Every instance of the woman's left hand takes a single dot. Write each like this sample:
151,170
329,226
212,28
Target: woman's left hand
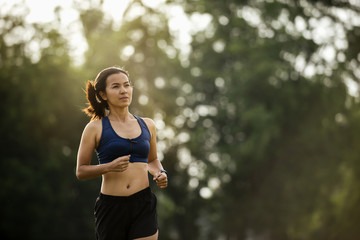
161,179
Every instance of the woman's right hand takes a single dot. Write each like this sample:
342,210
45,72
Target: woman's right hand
119,164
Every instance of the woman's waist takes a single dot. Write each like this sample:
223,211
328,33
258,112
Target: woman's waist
141,194
125,183
123,189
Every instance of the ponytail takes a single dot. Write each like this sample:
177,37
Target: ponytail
97,106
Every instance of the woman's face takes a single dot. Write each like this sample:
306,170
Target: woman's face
118,91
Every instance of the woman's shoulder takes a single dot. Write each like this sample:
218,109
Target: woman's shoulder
149,122
94,125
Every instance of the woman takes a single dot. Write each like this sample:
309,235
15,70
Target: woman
125,145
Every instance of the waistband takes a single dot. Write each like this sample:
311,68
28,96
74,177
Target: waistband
135,196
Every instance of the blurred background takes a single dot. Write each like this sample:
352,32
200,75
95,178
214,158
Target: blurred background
256,103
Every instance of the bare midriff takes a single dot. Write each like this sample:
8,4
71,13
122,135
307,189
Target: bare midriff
132,180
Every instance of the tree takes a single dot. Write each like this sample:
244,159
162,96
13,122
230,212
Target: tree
40,110
270,109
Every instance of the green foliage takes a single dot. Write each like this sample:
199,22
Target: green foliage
40,106
285,133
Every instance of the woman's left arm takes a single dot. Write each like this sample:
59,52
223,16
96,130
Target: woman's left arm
154,165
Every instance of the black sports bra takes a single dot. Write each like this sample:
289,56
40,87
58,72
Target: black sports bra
112,146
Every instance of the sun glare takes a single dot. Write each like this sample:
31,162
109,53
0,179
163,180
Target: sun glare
182,27
47,11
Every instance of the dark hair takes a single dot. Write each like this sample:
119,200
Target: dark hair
97,106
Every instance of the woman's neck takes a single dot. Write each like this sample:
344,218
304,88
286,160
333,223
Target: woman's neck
120,114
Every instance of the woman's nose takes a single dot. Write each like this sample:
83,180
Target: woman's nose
123,90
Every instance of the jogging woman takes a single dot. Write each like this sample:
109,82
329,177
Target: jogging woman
125,145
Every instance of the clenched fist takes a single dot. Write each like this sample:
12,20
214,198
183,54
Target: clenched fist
161,179
119,164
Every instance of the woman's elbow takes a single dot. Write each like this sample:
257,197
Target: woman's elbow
79,174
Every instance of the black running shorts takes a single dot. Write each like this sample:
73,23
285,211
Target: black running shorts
126,217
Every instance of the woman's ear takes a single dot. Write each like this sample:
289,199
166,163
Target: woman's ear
103,95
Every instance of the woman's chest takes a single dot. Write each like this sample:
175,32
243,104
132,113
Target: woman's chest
128,131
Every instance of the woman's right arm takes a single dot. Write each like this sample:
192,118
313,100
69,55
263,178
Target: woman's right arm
88,142
86,150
